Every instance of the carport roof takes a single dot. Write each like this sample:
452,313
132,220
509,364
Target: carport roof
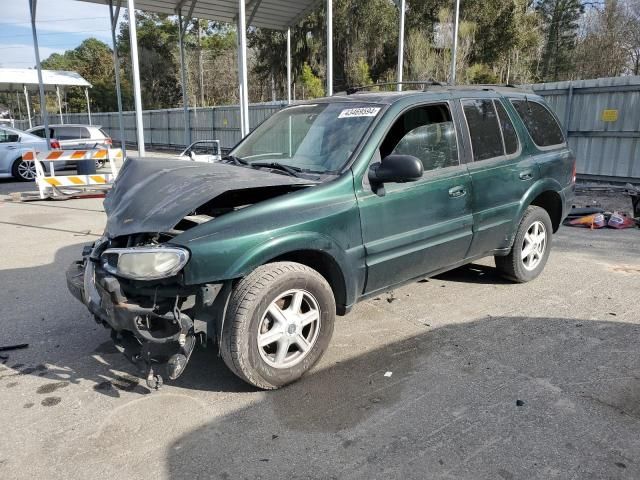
14,78
272,14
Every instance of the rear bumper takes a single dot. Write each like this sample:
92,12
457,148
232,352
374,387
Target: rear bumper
568,195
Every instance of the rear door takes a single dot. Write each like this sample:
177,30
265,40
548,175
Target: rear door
418,227
500,173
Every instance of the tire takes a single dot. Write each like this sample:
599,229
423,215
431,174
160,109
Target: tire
23,171
534,236
273,288
99,163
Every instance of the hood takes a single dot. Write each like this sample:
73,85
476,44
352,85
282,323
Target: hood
153,195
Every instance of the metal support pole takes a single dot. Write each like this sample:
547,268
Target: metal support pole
116,66
18,102
288,65
242,54
240,96
182,26
33,5
401,46
133,37
455,44
86,95
26,99
329,48
59,103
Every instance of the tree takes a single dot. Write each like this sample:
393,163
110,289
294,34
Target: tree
560,28
158,52
311,83
93,60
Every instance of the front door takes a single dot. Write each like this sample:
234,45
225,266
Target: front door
415,228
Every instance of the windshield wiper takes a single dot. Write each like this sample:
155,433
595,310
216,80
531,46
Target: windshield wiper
235,160
293,171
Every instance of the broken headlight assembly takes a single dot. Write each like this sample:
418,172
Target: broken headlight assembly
145,263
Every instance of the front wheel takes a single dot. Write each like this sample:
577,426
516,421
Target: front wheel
279,323
531,247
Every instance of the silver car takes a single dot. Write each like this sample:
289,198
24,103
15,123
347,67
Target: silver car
76,137
13,143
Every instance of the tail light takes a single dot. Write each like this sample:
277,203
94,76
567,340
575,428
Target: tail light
573,173
108,141
55,144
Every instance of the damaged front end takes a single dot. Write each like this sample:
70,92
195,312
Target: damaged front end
133,286
133,281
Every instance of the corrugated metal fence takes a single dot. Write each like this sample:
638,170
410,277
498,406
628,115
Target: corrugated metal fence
601,118
165,128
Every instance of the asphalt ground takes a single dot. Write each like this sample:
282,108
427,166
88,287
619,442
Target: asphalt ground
487,379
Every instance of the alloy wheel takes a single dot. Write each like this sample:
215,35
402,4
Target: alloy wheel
533,245
289,329
27,170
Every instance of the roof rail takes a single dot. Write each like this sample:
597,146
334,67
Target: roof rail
426,83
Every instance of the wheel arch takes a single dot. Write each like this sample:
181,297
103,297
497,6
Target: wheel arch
314,250
546,195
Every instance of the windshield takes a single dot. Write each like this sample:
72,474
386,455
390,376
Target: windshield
316,138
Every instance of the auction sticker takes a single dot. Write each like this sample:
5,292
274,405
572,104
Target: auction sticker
359,112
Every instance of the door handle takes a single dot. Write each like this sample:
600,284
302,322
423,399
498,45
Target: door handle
12,147
526,175
457,192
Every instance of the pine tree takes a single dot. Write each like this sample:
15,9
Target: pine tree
560,27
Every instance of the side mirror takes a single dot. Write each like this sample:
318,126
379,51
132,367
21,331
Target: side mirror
396,169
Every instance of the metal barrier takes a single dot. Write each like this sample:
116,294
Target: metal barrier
52,185
165,128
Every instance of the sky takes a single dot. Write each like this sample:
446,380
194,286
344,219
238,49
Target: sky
61,24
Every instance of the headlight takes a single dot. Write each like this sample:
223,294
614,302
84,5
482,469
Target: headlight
145,263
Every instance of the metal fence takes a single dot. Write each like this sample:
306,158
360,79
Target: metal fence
601,118
165,128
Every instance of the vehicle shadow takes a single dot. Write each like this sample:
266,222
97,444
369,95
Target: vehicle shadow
502,398
474,273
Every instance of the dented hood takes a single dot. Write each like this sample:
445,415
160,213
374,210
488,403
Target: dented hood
153,195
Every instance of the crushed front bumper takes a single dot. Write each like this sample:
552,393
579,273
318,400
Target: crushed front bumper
159,342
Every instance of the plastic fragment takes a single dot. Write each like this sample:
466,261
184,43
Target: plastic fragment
388,374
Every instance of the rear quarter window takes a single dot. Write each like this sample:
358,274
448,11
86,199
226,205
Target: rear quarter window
540,123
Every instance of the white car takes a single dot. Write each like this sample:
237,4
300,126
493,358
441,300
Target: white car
13,143
202,151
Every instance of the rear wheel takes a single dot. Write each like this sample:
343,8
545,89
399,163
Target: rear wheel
531,247
279,323
23,170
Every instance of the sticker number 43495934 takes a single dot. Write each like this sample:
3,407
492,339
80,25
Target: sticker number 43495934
359,112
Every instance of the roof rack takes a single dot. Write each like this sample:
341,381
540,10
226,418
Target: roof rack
425,83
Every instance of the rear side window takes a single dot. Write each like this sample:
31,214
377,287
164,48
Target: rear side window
67,133
38,133
484,129
508,131
541,124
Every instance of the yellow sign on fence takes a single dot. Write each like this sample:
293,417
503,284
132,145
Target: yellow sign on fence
609,115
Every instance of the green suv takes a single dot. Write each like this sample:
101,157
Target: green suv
324,204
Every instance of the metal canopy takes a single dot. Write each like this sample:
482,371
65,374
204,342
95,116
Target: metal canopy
273,14
13,79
